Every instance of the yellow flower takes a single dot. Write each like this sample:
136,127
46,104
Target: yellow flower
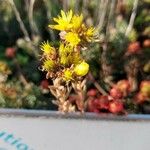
64,54
81,69
64,60
64,21
65,49
72,38
89,34
77,21
48,65
67,55
47,48
61,49
67,76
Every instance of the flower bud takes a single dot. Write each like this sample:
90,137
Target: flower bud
48,65
81,69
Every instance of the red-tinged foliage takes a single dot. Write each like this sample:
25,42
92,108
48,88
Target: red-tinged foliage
145,88
93,106
44,84
116,107
123,85
133,48
10,52
116,93
144,83
146,43
140,98
98,105
104,102
92,92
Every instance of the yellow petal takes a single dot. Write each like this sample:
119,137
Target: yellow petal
70,15
72,38
63,15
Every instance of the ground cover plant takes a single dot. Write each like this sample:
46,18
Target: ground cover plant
86,56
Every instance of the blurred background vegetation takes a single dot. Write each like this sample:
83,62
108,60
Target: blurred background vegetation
24,25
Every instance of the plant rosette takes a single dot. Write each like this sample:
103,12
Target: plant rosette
145,88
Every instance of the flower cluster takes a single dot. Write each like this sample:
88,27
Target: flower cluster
74,30
65,64
66,61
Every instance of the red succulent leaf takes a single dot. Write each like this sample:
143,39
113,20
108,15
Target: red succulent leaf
116,93
44,84
92,92
10,52
116,106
